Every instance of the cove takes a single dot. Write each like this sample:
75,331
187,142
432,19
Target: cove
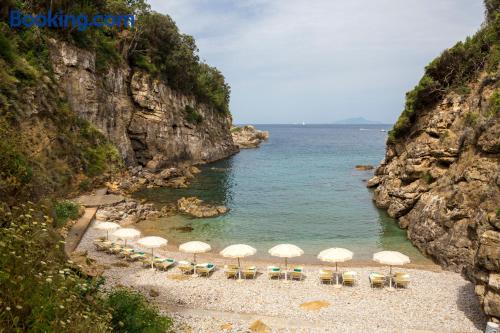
300,187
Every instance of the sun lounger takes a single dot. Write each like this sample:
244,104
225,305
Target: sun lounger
401,279
205,269
376,279
326,275
297,273
273,271
136,255
103,246
231,271
249,272
126,252
99,240
146,260
186,267
349,278
115,249
164,264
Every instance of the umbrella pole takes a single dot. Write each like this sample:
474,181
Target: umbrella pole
239,269
286,269
125,243
152,258
390,277
194,258
107,235
337,273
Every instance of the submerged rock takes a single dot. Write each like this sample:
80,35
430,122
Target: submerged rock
198,208
248,136
364,167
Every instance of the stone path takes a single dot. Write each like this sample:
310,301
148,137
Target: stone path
80,227
99,199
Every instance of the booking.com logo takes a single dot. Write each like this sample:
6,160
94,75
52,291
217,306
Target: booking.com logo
60,20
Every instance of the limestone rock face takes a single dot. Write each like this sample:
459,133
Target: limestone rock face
248,136
442,182
142,116
198,208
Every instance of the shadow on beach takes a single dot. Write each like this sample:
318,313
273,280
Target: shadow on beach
468,303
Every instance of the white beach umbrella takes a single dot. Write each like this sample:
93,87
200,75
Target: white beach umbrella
286,251
238,251
108,226
336,255
391,258
126,234
152,242
195,247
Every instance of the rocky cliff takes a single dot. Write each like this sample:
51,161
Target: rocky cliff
441,176
142,116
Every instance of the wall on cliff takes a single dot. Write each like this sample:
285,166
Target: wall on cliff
147,120
441,173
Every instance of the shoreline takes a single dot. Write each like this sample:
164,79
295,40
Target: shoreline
435,301
172,249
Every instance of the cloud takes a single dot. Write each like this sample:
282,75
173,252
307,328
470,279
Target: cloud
318,61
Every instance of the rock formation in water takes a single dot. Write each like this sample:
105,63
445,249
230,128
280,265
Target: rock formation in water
248,136
441,173
198,208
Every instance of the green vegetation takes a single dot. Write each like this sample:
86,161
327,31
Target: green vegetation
47,151
98,160
471,119
106,53
39,290
494,107
65,210
192,115
85,185
154,45
16,172
427,177
453,70
132,314
42,291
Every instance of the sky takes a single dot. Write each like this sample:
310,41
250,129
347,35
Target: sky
319,61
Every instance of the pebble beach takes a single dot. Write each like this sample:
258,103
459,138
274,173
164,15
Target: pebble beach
436,301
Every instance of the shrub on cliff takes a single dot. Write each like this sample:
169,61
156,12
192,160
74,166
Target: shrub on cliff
131,313
16,172
65,210
494,107
453,70
192,115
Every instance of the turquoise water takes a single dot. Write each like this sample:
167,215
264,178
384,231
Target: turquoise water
300,187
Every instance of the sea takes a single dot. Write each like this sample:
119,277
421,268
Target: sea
300,187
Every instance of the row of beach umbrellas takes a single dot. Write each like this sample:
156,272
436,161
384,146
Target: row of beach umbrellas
239,251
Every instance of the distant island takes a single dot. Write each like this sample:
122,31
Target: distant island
357,121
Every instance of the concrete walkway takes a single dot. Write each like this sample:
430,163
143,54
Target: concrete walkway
80,227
